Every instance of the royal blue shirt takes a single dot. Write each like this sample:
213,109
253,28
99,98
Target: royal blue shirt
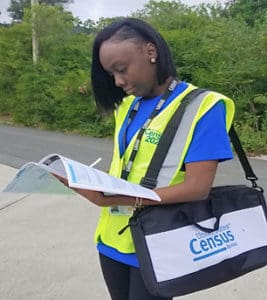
210,142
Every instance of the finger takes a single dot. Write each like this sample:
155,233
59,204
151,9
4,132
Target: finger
61,179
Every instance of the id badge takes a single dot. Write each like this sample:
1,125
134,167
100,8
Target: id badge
121,210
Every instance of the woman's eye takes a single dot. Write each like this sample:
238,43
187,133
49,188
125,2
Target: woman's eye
121,70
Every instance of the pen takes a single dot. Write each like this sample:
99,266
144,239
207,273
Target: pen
96,162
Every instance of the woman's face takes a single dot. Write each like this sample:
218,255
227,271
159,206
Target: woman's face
129,63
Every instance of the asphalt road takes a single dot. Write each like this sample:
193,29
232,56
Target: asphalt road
19,145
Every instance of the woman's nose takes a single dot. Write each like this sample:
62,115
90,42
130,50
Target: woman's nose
119,81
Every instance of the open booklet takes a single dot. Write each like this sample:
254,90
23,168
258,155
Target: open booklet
82,176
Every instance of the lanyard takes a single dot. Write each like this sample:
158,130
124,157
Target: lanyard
126,169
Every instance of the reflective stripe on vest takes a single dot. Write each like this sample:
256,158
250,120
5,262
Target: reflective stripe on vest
173,159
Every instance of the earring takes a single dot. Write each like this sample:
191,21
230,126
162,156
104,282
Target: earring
153,60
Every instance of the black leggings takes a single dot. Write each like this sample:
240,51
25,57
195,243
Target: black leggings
124,282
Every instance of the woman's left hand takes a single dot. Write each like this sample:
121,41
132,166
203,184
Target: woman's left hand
93,196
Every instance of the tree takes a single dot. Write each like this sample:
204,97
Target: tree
250,10
103,22
16,7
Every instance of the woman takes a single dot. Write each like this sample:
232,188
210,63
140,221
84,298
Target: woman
133,73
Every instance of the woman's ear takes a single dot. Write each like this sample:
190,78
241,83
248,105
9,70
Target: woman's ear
152,53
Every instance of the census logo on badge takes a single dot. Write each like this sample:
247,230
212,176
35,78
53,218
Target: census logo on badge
204,245
152,136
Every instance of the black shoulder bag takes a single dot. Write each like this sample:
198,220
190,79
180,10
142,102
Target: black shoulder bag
186,247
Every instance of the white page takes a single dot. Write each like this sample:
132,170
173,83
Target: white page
54,164
31,178
82,176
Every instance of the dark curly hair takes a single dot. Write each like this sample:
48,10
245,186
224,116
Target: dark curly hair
105,92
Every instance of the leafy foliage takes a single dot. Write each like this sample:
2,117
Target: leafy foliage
17,7
251,11
220,47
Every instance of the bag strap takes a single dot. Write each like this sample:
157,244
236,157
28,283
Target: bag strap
249,173
150,178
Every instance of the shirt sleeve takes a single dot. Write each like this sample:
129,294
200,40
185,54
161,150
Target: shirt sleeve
210,140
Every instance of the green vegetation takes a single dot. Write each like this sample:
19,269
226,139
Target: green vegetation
220,47
17,7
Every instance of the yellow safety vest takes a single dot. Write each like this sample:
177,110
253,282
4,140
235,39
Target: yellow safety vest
110,224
